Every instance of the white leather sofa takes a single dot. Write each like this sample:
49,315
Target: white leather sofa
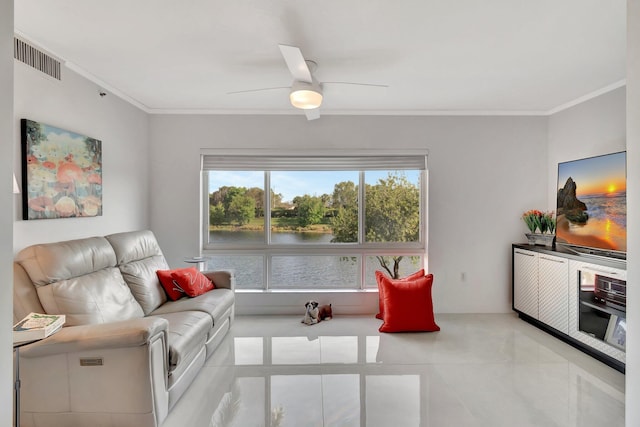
126,353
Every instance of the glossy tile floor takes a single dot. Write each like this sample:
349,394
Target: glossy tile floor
479,370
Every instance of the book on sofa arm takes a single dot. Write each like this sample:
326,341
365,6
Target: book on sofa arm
37,326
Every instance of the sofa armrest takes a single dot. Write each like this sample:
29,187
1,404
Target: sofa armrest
128,333
222,278
84,375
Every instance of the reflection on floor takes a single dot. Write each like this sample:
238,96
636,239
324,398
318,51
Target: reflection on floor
479,370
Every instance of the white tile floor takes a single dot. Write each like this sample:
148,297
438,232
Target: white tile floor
479,370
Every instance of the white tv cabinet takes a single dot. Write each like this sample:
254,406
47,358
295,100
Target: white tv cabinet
546,293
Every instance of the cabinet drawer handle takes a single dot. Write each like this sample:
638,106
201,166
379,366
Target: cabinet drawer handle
522,253
560,261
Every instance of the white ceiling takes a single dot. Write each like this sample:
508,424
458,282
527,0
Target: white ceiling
458,56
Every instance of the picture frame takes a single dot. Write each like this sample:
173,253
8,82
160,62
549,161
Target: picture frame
616,334
61,173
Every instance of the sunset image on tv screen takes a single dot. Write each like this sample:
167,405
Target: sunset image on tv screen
592,202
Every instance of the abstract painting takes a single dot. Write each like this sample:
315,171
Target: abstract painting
61,173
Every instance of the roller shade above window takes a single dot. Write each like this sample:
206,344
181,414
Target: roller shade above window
320,163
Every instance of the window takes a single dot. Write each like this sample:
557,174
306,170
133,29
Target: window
313,222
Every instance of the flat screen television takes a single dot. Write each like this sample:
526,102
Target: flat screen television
592,205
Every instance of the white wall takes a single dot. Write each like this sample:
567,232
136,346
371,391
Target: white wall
633,204
74,104
6,218
593,128
484,172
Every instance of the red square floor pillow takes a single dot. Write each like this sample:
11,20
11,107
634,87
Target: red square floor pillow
408,306
184,281
379,276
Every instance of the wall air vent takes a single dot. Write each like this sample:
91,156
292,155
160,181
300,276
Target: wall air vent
36,58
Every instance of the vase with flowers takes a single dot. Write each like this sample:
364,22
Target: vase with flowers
542,221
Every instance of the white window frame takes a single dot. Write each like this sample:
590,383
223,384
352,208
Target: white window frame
361,250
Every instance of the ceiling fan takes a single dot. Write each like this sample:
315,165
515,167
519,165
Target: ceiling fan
305,91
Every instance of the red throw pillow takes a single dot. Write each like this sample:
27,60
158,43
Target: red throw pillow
173,291
408,305
184,281
192,281
379,275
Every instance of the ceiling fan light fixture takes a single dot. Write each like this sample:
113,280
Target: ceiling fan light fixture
306,96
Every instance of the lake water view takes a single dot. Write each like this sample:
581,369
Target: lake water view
257,236
296,271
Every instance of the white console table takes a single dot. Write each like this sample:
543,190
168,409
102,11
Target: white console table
546,293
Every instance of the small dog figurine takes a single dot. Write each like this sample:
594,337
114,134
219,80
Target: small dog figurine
311,315
325,313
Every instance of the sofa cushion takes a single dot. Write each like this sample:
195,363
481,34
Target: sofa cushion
98,297
138,256
134,245
78,278
51,262
187,333
215,303
143,282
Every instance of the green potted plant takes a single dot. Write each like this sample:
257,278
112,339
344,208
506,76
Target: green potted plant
542,221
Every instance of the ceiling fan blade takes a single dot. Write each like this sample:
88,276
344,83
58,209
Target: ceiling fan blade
296,63
353,83
258,90
312,114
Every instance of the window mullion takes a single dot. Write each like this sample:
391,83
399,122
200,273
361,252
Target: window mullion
267,209
267,230
361,236
204,179
266,266
361,208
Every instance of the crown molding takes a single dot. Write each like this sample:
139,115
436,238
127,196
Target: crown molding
207,111
107,87
584,98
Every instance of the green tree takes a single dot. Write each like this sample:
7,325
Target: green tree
345,222
345,225
216,214
310,209
219,195
241,209
345,194
392,214
392,210
276,199
326,200
229,194
257,194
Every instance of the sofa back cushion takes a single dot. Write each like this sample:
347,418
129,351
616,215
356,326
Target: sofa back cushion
138,256
79,278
